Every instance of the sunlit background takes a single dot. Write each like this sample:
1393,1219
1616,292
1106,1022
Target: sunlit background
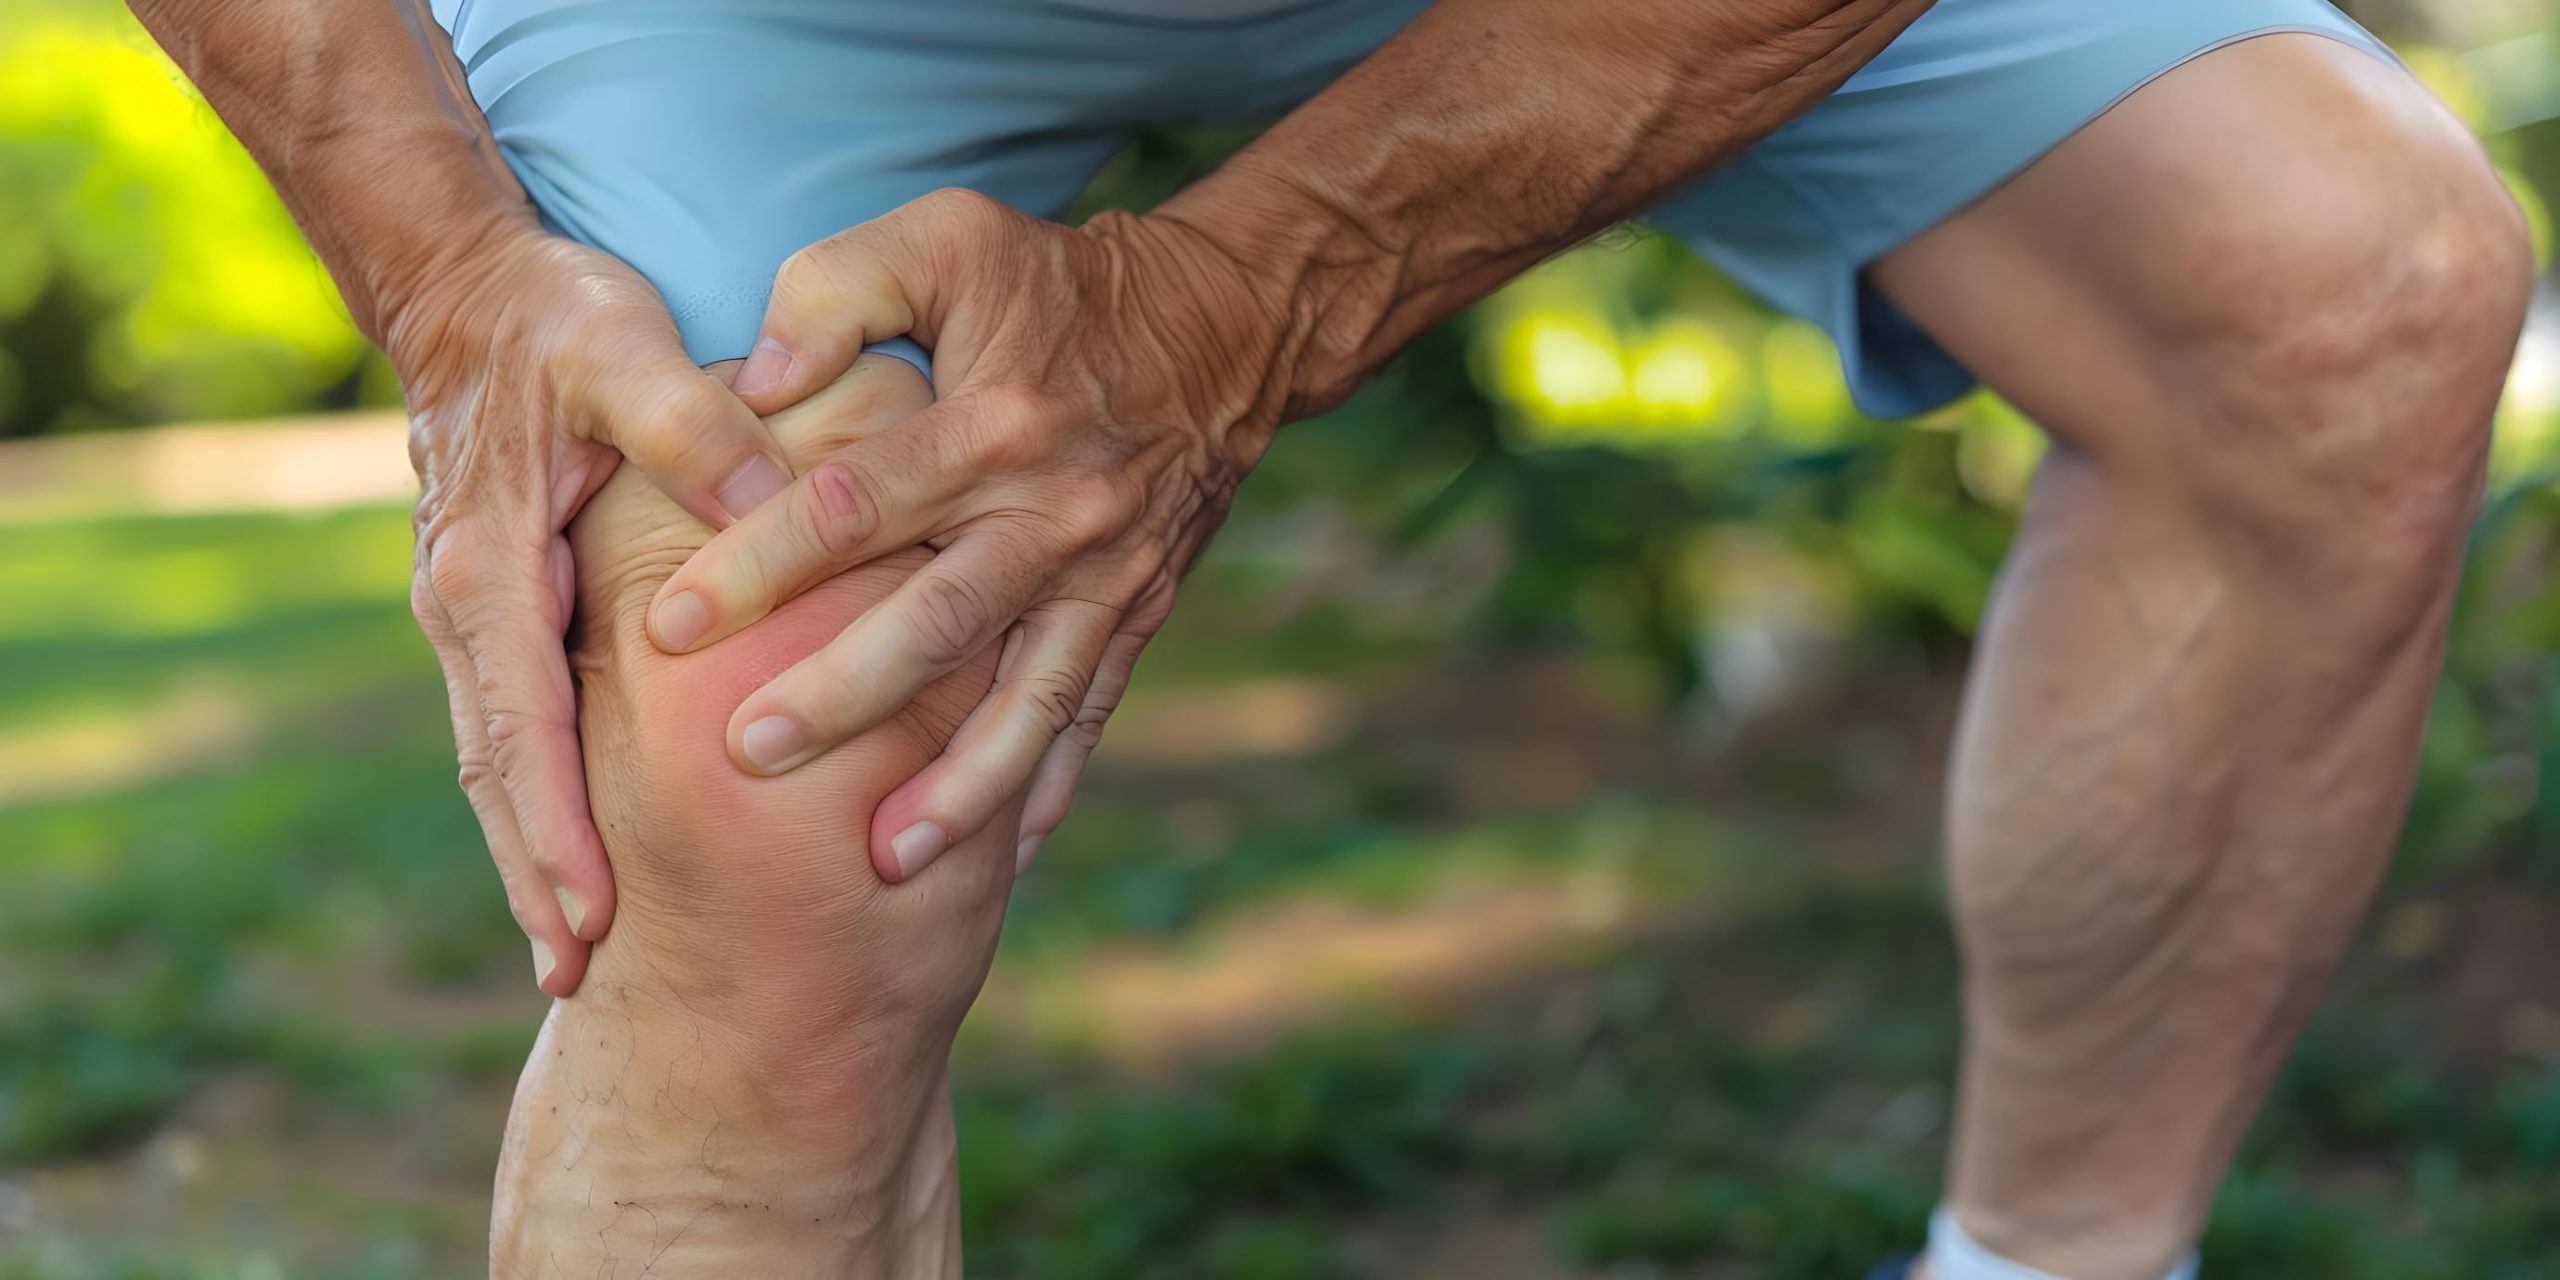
1517,860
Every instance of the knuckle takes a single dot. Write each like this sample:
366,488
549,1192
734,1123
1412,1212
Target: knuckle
949,619
843,510
1153,610
971,210
512,730
453,571
1094,511
1100,700
427,609
1086,729
663,417
475,775
822,279
1054,696
1017,427
805,269
1014,404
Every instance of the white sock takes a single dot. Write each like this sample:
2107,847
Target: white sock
1953,1255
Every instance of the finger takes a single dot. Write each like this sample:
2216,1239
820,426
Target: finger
508,621
1053,784
559,955
873,398
874,496
1039,690
949,612
829,299
695,440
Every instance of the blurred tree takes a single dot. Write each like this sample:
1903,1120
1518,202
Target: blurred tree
146,271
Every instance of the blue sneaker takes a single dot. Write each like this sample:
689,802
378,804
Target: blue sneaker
1897,1269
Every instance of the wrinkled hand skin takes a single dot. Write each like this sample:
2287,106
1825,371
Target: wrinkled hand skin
751,1082
1103,390
537,372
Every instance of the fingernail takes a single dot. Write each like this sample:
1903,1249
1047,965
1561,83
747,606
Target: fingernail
571,907
765,369
771,742
1024,852
751,486
543,964
682,619
916,846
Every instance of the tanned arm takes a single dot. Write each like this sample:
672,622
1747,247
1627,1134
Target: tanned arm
1489,135
532,366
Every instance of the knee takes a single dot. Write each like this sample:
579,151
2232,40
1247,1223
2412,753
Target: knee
712,857
758,894
2349,348
748,902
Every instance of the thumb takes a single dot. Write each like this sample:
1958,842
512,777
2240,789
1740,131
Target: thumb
689,435
856,287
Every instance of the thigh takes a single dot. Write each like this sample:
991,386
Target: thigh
2198,246
1972,94
2271,298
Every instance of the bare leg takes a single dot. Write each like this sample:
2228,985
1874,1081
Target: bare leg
2264,308
751,1080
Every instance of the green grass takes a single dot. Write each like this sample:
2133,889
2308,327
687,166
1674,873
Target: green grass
1764,1093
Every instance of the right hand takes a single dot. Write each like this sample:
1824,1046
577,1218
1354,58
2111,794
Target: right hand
532,368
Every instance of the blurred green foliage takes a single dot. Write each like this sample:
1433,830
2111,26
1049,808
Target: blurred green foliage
229,846
147,272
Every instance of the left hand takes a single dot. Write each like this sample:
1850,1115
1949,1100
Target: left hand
1102,390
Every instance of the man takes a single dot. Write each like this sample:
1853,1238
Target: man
2258,287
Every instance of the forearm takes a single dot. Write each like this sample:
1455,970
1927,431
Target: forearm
357,111
1491,134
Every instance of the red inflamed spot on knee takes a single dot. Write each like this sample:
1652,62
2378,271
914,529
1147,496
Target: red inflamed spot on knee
684,704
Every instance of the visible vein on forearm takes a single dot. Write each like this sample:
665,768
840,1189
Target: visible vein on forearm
358,113
1493,133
